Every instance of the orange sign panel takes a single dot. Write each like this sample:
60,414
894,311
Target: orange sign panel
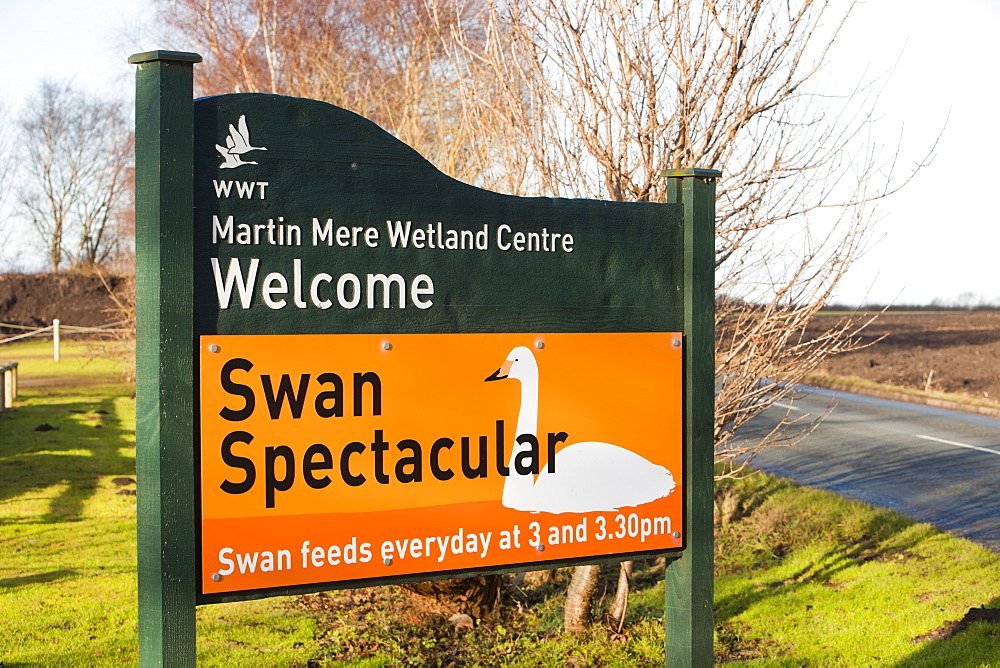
349,456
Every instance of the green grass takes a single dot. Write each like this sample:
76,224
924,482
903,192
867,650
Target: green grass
803,577
808,578
92,367
67,532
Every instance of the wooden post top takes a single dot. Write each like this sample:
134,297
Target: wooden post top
167,56
691,171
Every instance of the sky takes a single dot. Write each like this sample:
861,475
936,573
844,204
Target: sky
934,240
938,237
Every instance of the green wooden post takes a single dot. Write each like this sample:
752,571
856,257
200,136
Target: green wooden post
689,580
164,126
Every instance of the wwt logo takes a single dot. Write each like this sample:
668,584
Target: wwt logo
237,143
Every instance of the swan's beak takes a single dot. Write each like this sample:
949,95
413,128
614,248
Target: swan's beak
502,372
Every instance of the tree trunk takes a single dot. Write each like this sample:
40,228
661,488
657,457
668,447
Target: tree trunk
473,596
620,602
580,598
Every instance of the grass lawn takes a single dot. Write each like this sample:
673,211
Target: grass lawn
802,576
808,578
67,529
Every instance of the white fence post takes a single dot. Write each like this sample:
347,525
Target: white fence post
8,385
55,340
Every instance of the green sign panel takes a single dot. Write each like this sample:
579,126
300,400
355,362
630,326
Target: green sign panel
310,219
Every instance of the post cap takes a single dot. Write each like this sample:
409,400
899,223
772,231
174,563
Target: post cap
691,171
167,56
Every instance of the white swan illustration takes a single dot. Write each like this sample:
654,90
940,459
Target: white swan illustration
231,159
237,143
239,140
589,476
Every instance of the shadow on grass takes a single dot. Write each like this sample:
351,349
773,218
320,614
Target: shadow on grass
977,645
850,538
868,545
38,578
71,443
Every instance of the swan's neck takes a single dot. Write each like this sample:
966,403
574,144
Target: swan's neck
527,416
517,489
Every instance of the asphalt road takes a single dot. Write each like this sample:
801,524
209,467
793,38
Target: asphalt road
931,464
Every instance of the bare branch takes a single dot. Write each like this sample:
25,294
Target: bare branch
77,154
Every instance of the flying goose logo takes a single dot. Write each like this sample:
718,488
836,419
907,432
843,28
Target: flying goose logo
237,143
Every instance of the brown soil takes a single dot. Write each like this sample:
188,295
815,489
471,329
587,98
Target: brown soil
953,627
944,351
36,300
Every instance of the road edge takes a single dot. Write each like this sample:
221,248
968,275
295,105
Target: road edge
891,394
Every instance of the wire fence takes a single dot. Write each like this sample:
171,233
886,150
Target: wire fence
8,370
57,329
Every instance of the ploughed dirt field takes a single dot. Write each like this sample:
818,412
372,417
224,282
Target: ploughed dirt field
944,351
35,300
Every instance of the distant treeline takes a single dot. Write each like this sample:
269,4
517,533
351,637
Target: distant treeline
965,302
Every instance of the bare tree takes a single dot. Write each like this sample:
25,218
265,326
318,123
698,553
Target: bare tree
7,165
76,156
593,99
598,96
6,158
393,62
602,95
122,225
580,598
